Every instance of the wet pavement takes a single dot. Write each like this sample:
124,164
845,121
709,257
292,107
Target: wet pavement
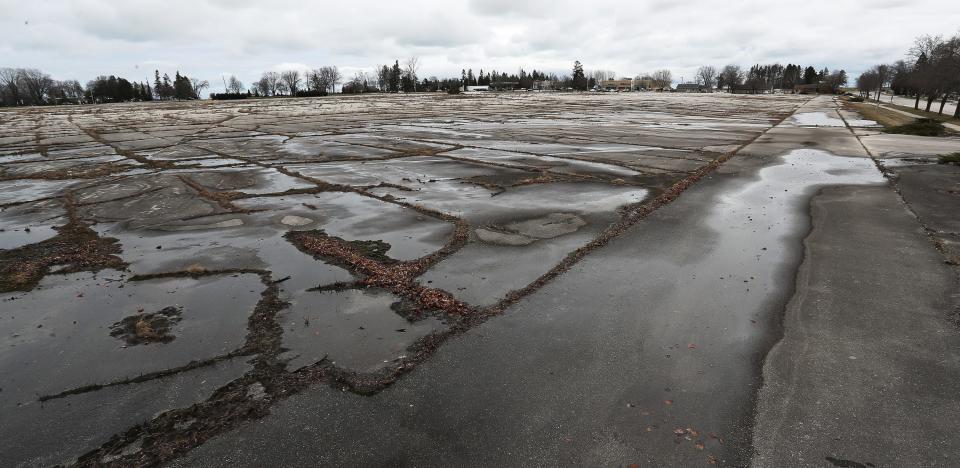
429,280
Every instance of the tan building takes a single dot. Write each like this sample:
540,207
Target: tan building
617,85
645,82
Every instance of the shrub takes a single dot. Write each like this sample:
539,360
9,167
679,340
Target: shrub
952,158
453,90
920,127
307,93
855,98
226,96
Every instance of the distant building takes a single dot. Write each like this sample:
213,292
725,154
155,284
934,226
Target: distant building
625,84
504,85
544,85
690,88
477,88
644,83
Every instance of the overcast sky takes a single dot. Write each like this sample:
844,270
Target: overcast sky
79,39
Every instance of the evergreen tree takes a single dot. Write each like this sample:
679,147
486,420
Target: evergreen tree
822,74
395,76
182,89
579,79
166,90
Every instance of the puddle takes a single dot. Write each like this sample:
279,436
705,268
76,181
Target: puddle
74,167
816,119
549,221
479,206
549,163
58,336
482,273
58,431
410,172
753,226
153,207
323,148
178,152
862,123
30,223
351,216
356,329
17,191
210,162
223,242
253,181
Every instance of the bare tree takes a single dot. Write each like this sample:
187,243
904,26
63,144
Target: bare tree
10,86
198,86
867,82
952,72
329,77
882,72
732,76
70,89
269,82
707,76
410,68
359,82
291,80
315,81
36,83
663,79
234,85
603,75
262,86
925,79
946,62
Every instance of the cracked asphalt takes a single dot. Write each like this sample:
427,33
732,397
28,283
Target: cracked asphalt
507,279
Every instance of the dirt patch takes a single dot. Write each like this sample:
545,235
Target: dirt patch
76,248
144,329
397,277
373,249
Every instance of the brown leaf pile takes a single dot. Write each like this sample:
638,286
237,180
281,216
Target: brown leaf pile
396,277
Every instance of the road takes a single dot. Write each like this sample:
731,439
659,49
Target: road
788,310
948,109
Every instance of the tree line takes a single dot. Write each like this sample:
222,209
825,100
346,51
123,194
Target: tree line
770,77
32,87
930,72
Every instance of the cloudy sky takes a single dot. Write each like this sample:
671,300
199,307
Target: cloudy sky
78,39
